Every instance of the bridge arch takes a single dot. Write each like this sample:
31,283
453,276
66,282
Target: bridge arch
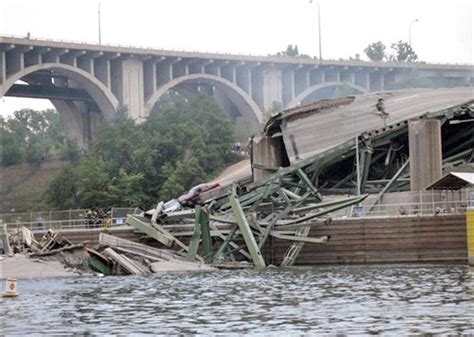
312,89
235,94
102,96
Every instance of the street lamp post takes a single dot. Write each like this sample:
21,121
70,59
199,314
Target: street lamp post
409,31
98,15
319,29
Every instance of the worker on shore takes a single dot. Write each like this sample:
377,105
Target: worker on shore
107,224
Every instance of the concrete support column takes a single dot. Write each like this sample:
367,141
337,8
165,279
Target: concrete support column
164,72
272,88
426,161
85,63
32,59
300,81
14,62
352,78
257,86
133,93
3,67
128,86
315,76
228,72
267,154
244,79
102,70
149,76
288,86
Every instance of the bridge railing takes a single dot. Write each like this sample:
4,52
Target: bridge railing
422,204
269,57
419,203
61,220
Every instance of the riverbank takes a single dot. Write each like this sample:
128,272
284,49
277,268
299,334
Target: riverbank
23,267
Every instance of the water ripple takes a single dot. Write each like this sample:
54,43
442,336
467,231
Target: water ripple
388,299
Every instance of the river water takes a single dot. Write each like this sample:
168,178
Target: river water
387,299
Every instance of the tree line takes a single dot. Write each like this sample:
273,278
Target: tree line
129,164
33,136
400,52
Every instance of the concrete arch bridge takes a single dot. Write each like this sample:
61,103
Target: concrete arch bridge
88,83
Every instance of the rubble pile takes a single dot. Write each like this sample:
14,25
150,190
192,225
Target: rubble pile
221,225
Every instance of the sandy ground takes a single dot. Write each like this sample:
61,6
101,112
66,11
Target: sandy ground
22,267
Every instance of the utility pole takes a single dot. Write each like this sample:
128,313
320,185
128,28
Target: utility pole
100,35
319,29
409,31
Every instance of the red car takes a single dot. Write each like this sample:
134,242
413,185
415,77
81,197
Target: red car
194,192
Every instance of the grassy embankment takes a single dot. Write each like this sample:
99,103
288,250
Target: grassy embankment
23,186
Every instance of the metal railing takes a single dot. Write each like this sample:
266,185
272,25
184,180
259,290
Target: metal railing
61,220
424,203
417,204
355,62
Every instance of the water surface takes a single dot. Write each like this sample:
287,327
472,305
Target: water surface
388,299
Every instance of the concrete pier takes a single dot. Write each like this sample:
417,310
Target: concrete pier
426,160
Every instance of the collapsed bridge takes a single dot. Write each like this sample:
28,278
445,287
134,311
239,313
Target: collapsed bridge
352,145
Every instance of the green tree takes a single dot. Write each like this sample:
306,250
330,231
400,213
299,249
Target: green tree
183,144
62,192
292,51
180,177
115,144
31,135
375,51
403,52
126,189
93,181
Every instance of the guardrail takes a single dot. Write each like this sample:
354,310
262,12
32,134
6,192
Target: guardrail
61,220
426,205
403,209
325,61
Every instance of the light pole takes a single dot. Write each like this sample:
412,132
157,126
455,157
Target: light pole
98,15
319,29
409,31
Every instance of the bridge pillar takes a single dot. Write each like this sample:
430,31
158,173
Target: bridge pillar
3,71
79,123
128,86
426,161
272,88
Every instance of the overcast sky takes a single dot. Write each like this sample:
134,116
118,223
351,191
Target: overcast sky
444,32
